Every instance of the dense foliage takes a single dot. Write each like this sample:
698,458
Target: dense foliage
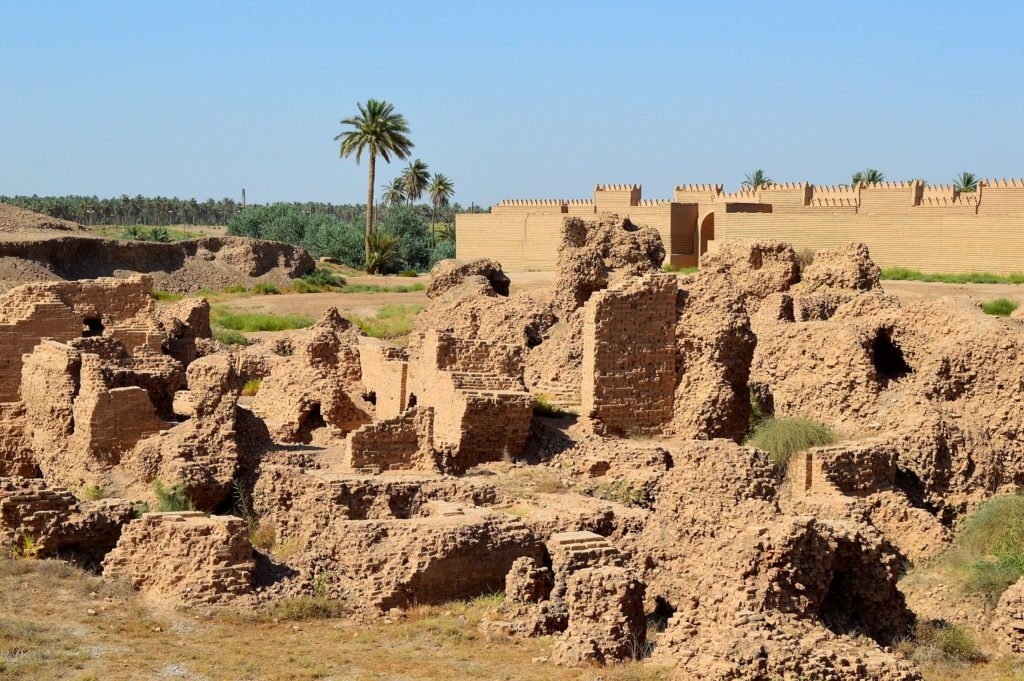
324,235
159,210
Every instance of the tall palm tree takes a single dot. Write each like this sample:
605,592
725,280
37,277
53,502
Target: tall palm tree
394,192
416,179
868,176
441,191
966,182
378,131
756,180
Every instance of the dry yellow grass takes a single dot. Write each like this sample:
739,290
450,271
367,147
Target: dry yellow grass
46,632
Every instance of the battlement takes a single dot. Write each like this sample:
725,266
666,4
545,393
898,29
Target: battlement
532,202
617,187
786,185
1016,183
701,188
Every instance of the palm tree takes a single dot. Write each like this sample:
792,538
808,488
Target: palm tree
966,182
415,178
394,193
756,180
378,131
441,191
868,176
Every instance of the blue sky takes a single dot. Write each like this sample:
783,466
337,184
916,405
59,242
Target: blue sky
524,99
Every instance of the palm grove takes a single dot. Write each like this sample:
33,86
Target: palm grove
402,234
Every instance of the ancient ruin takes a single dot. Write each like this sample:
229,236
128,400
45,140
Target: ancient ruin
388,475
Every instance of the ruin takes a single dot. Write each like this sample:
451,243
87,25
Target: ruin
581,448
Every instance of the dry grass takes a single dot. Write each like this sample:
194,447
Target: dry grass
46,633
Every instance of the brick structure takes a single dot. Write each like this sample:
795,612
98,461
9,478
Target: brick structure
629,354
385,373
403,442
188,557
118,308
904,224
482,409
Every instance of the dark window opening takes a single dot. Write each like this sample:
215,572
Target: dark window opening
370,397
312,420
888,358
91,327
412,400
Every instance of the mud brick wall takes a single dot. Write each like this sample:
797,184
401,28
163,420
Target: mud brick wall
121,308
188,556
28,507
449,353
385,373
399,443
855,469
629,354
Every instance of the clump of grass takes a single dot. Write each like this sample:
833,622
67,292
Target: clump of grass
785,436
1002,307
542,406
623,493
306,608
390,321
27,547
251,387
229,336
265,288
173,498
940,642
227,318
139,233
319,281
165,296
234,289
989,549
679,270
92,493
377,288
408,273
907,274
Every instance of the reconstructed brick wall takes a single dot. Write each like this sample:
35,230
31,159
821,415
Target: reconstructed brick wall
854,469
399,443
933,228
629,354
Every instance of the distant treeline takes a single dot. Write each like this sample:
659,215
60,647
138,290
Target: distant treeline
159,210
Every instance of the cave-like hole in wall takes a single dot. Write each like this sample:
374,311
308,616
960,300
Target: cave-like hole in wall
888,358
91,327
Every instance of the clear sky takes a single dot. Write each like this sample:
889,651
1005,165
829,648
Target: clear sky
511,100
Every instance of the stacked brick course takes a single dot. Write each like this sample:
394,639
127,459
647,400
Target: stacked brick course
629,354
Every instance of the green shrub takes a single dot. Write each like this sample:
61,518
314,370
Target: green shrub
306,608
623,493
319,280
906,274
443,250
160,294
783,437
265,288
251,387
391,321
542,406
172,498
1002,307
227,318
159,234
229,336
92,493
408,273
990,547
941,642
131,233
678,270
234,288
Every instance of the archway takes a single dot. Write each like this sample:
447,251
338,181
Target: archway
707,232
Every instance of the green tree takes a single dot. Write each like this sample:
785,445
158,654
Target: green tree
441,191
756,180
394,192
966,182
378,131
868,176
415,177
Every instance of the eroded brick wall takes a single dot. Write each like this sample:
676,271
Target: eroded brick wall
629,354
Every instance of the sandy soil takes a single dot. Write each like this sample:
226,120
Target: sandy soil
367,303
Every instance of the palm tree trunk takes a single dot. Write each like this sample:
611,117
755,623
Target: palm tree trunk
369,211
433,218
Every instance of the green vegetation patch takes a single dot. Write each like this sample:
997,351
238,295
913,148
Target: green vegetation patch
235,320
173,498
165,296
391,321
906,274
782,437
679,270
940,643
543,406
988,552
1001,307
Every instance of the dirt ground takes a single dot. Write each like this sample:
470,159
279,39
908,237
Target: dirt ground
367,303
59,623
